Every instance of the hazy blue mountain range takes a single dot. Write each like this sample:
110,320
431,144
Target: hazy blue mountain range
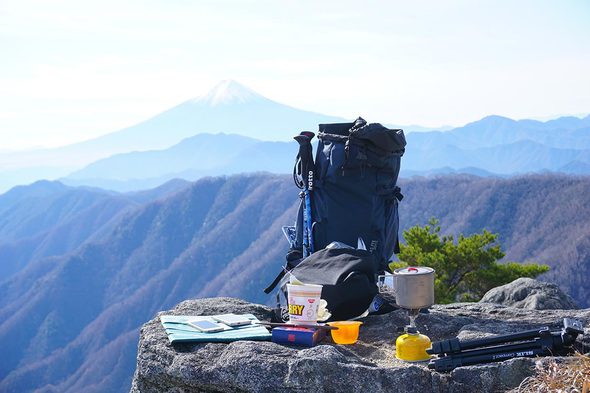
515,158
89,305
28,210
563,133
232,108
229,107
70,322
48,218
193,158
492,146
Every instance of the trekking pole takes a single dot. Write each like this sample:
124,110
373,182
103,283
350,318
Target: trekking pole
304,177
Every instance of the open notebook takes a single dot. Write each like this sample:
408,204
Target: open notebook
178,330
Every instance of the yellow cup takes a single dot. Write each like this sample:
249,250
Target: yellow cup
347,332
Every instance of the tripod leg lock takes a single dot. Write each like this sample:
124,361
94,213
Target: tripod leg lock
452,345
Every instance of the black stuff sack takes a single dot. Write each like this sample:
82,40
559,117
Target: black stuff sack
347,276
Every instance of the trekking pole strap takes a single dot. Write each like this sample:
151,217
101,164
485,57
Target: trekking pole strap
293,259
275,282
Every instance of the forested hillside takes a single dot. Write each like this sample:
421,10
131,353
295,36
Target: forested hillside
48,219
70,322
541,218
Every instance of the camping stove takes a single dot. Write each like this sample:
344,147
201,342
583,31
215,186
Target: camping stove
414,290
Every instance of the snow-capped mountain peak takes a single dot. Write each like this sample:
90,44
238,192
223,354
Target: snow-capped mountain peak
228,91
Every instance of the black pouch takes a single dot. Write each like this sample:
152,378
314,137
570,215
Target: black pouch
347,276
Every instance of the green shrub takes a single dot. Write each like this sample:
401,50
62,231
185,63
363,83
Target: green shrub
465,269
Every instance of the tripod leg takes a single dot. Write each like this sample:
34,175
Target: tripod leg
449,363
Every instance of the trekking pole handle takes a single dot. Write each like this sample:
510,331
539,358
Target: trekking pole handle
304,137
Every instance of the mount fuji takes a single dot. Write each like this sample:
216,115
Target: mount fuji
229,107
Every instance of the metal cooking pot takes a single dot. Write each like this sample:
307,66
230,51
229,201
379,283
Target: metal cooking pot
414,287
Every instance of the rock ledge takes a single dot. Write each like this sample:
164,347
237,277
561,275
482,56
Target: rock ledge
370,365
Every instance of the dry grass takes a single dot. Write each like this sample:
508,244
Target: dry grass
571,375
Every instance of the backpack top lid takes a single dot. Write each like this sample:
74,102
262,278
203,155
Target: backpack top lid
382,140
336,128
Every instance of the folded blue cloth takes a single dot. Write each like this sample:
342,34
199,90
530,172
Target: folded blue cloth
178,330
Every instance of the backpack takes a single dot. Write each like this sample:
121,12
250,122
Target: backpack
349,193
355,192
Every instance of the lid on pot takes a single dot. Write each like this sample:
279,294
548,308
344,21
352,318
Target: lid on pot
414,270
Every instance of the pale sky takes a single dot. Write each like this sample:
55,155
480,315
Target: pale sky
71,70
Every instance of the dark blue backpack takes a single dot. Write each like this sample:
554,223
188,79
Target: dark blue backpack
355,191
349,192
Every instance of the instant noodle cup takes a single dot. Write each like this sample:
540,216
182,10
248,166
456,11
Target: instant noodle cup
304,301
347,332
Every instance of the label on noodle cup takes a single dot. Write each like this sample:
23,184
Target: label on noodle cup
304,301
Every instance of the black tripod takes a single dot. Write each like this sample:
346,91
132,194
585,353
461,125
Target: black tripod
454,353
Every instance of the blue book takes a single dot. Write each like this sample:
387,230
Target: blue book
305,337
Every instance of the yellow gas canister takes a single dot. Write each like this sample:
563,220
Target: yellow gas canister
412,346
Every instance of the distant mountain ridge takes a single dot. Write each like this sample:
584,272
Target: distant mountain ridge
193,158
205,152
494,145
563,133
518,157
48,218
232,108
228,107
69,323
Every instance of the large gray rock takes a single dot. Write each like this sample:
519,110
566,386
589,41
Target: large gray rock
369,365
531,294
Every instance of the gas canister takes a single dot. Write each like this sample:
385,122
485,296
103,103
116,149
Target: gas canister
412,346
